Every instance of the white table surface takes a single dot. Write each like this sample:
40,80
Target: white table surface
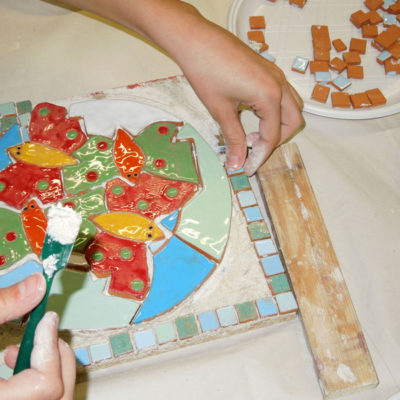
48,53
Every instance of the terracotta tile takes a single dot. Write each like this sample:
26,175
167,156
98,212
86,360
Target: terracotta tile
264,47
376,97
395,8
359,45
321,54
257,22
320,36
369,31
355,72
359,18
320,93
374,17
338,64
321,66
340,100
388,37
299,3
395,51
373,4
256,36
339,45
360,100
352,58
391,68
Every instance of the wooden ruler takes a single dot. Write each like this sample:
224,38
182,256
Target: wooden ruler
341,356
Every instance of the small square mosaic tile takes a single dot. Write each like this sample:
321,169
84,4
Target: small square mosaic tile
121,344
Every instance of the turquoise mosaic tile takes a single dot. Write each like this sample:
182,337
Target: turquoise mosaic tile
121,344
227,316
24,119
240,182
144,339
7,122
279,283
208,321
187,326
82,356
5,372
246,198
265,247
267,307
286,302
252,214
24,107
100,352
165,332
246,311
7,109
25,134
258,230
272,265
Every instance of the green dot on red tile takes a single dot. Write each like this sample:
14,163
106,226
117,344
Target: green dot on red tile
137,285
117,189
142,205
121,344
246,311
72,134
44,112
97,255
172,191
187,326
2,186
42,185
125,254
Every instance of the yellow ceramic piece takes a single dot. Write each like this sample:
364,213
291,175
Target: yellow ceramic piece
129,226
41,155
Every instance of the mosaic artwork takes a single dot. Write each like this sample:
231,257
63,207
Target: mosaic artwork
159,220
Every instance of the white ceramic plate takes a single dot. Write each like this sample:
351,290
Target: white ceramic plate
288,34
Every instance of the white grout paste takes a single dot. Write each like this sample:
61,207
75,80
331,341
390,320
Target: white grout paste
50,265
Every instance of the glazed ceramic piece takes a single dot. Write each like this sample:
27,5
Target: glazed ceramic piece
207,230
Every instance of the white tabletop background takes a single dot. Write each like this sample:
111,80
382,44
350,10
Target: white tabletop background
50,53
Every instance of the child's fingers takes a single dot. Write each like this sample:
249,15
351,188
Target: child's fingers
20,298
10,356
68,369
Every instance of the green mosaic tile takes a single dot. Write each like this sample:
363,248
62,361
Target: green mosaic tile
7,109
7,122
279,283
121,344
187,326
258,230
240,182
24,107
246,311
165,332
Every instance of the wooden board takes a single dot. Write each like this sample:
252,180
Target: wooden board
341,356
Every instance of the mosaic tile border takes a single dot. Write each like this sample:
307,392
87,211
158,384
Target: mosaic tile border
133,340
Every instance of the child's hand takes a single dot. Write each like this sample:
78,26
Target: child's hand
52,373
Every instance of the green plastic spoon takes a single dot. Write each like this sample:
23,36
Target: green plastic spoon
62,229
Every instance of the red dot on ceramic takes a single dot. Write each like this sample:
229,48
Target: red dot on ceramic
102,145
69,204
160,163
2,260
11,236
91,176
163,130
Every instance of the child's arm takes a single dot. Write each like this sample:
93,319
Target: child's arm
52,372
224,72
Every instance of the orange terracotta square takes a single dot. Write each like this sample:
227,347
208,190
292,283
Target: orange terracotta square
359,45
395,51
256,36
355,72
391,67
340,100
369,31
387,38
298,3
359,18
339,45
257,22
395,8
338,65
320,93
360,100
264,47
320,36
321,54
373,4
319,66
376,97
352,58
374,17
